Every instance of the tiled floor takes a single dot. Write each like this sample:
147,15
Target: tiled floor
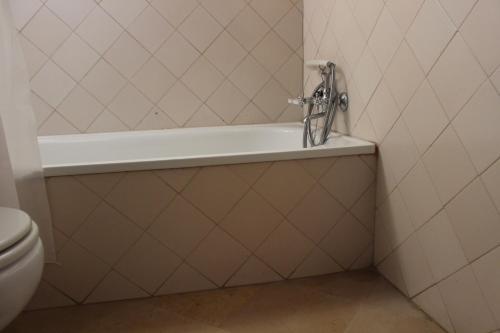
347,303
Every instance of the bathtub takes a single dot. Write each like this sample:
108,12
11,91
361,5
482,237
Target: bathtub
142,214
181,148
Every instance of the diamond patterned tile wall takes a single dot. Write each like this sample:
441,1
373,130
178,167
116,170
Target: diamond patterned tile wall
109,65
432,105
169,235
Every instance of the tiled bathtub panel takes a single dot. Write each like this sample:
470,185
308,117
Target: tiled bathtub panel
138,234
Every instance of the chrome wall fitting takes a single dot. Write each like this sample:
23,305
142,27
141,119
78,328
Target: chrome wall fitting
322,105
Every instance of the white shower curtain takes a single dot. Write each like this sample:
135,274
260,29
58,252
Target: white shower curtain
21,176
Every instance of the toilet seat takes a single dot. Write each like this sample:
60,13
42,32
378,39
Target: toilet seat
18,235
21,262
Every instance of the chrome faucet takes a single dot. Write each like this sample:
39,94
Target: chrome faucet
321,106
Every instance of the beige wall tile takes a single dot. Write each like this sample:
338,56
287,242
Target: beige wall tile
317,263
76,57
271,12
383,111
251,220
80,108
403,75
418,105
346,241
60,84
491,179
101,184
481,32
107,234
425,117
153,80
284,184
22,12
55,124
414,266
124,13
207,257
103,82
317,214
47,296
107,122
76,273
431,19
404,12
441,246
432,303
205,117
495,79
200,38
465,303
178,179
393,215
202,78
99,30
367,13
385,39
356,178
70,203
223,11
367,75
399,150
148,255
457,64
364,209
185,279
34,58
391,270
284,249
152,45
487,272
181,227
254,271
46,31
419,195
150,29
175,11
130,106
448,151
474,204
476,125
457,9
126,62
115,287
229,188
248,28
145,208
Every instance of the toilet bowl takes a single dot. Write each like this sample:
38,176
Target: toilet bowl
21,262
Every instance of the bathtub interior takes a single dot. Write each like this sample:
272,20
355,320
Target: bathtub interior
142,233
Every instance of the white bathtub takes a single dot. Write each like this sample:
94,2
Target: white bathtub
181,148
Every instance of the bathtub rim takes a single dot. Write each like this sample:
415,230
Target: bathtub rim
359,147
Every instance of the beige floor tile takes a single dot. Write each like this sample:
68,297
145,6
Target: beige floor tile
354,302
210,307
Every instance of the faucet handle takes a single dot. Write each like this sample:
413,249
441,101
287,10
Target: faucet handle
299,101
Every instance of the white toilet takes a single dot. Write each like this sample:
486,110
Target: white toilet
21,262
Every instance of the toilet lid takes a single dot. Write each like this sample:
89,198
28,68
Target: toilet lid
14,225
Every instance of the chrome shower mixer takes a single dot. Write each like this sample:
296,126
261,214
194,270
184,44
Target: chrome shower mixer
322,105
